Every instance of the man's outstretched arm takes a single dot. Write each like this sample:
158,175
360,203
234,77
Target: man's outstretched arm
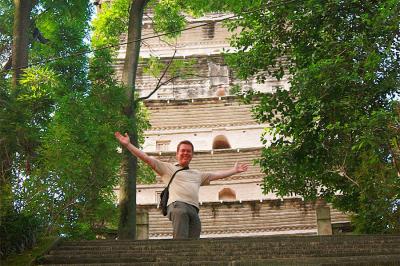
125,141
236,169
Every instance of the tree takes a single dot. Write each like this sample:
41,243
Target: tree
19,60
6,22
127,222
72,186
105,32
336,131
112,15
21,40
57,124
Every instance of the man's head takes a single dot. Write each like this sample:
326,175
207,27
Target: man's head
184,153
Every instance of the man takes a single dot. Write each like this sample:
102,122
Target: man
183,202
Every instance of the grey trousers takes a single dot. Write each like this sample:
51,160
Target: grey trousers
185,220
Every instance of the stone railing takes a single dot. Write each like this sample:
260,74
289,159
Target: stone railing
251,218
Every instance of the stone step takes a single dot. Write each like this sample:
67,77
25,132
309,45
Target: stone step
203,256
377,260
233,259
259,239
266,250
208,245
241,246
270,250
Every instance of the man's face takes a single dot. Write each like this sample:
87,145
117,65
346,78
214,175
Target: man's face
184,154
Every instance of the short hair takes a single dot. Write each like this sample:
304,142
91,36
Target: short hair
184,142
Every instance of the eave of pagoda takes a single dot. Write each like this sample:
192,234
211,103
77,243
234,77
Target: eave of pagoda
214,39
200,113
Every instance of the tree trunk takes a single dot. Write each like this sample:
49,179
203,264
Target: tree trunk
20,37
127,222
19,60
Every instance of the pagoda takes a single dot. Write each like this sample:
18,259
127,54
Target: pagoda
203,109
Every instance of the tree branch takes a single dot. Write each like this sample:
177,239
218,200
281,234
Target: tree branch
71,202
342,172
38,36
159,37
394,155
159,83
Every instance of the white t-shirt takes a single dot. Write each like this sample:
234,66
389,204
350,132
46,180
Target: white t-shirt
186,184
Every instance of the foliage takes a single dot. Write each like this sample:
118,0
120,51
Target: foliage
336,132
17,232
168,71
110,23
79,169
198,7
6,18
146,174
29,255
168,18
105,32
57,128
24,115
66,26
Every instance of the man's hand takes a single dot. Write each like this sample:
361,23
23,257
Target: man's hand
236,169
240,167
124,140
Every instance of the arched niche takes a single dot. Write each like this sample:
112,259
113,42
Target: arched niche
227,194
221,142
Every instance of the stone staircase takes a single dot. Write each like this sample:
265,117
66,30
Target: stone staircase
263,250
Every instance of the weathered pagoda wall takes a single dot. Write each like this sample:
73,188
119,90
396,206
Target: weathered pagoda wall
202,121
203,44
249,218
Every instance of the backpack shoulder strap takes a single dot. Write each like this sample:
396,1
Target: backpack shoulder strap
184,168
